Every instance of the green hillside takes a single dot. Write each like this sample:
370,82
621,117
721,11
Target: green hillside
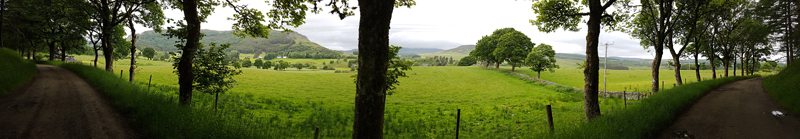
784,87
463,49
294,45
14,70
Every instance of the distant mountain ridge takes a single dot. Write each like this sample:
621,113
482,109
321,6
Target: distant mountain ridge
463,49
406,51
280,43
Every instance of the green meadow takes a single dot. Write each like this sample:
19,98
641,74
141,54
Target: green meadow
493,103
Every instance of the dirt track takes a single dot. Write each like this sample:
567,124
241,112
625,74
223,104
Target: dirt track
738,110
59,104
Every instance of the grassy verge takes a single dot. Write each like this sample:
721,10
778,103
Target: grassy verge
14,71
784,87
646,119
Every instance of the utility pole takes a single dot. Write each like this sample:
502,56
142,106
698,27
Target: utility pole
605,71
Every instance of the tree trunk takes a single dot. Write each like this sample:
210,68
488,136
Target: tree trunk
512,68
52,46
677,62
133,50
216,99
95,55
696,64
185,74
497,65
538,74
726,64
373,60
711,57
591,72
63,52
2,12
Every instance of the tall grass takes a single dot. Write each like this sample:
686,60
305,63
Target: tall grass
646,119
784,87
14,71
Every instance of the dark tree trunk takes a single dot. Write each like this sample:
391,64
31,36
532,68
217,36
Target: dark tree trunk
538,74
95,56
63,52
512,68
696,64
726,63
52,46
591,72
711,57
677,61
497,65
373,60
133,50
2,14
185,74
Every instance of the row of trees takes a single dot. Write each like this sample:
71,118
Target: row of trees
723,31
515,48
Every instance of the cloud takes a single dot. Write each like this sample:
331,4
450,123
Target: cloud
442,24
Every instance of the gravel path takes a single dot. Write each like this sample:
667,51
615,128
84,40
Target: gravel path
59,104
739,110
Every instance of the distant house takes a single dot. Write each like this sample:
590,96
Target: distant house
260,57
284,56
424,64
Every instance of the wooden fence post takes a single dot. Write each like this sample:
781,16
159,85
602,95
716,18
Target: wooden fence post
120,74
662,85
624,99
148,83
550,118
458,121
316,132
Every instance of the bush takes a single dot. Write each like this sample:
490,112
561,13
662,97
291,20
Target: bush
14,70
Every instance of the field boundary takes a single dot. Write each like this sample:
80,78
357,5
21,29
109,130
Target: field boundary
616,94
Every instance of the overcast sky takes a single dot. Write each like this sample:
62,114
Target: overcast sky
442,24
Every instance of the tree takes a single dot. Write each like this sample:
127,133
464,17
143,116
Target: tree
766,67
266,65
147,13
513,48
542,58
486,47
313,67
246,63
298,65
778,68
467,61
211,74
554,14
653,26
258,63
149,53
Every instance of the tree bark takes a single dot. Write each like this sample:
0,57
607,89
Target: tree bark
2,14
538,74
52,45
63,52
677,61
497,66
591,72
696,64
373,61
185,74
95,56
133,49
512,68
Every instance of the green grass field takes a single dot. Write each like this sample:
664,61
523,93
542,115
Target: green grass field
289,104
456,56
494,104
784,87
618,80
14,70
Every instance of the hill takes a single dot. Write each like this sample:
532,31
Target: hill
406,51
463,49
783,87
292,44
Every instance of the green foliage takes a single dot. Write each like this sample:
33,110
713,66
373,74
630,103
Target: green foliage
313,67
397,68
778,68
259,63
542,58
299,66
513,48
766,67
554,14
149,52
267,65
211,74
467,61
246,63
14,70
784,85
486,46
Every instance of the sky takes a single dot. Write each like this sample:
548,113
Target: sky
442,24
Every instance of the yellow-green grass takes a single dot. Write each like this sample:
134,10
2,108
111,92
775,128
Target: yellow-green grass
140,61
620,80
14,70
